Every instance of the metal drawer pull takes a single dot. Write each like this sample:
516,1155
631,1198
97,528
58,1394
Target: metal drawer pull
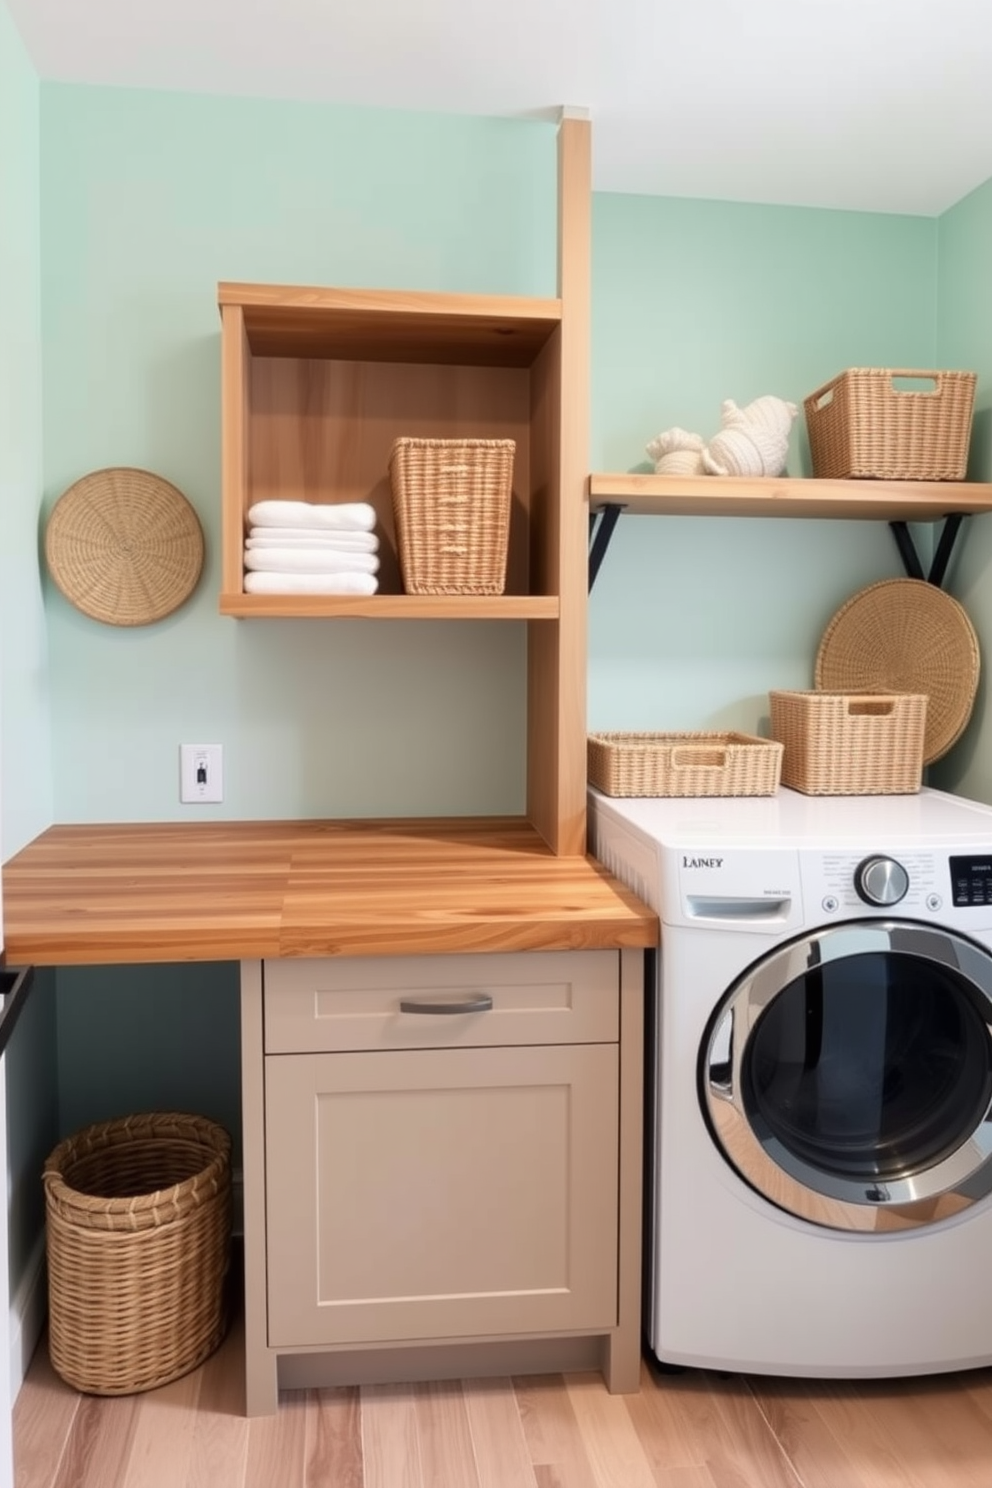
481,1004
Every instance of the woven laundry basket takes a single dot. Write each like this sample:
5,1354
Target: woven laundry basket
451,505
683,764
138,1215
861,425
850,744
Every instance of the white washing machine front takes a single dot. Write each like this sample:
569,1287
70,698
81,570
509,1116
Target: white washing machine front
825,978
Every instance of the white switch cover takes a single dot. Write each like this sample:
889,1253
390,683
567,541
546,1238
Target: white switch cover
201,773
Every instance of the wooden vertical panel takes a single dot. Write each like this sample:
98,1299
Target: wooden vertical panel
236,368
557,651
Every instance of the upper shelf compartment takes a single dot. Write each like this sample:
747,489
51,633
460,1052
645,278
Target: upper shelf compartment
316,385
781,496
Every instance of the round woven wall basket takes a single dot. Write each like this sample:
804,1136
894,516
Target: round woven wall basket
138,1232
124,546
905,635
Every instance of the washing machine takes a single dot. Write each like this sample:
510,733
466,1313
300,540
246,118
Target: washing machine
819,1123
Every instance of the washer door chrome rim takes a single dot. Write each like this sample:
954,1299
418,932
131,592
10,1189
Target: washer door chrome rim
834,1199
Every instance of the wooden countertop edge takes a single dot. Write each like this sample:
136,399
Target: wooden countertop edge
229,891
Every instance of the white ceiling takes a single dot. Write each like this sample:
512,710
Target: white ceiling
881,105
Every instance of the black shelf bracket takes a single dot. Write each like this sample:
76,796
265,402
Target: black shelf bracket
942,557
601,525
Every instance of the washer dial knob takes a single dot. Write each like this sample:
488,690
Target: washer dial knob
881,881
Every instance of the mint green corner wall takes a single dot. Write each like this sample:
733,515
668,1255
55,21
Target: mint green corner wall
149,199
693,621
964,317
25,756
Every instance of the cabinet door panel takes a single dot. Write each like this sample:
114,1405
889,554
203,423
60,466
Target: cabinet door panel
350,1003
441,1193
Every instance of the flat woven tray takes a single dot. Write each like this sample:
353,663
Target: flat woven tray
905,636
683,764
124,546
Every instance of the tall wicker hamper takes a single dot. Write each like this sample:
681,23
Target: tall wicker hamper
138,1215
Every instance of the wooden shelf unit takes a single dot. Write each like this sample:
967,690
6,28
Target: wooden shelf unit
318,382
783,496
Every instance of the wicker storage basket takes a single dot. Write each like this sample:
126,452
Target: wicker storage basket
138,1240
683,764
861,425
850,744
451,504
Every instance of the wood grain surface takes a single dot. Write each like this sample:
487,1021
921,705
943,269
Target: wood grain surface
209,891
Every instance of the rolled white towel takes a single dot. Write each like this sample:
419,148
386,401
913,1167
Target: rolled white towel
346,516
297,537
302,583
314,560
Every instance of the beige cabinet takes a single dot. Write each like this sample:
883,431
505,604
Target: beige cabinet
449,1165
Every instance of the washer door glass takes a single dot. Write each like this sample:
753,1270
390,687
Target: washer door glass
848,1076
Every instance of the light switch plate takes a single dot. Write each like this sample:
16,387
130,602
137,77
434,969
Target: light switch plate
201,773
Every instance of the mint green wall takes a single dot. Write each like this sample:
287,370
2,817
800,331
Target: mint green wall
965,341
149,199
693,621
25,760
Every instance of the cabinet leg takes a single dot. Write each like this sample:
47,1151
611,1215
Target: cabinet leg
622,1361
261,1384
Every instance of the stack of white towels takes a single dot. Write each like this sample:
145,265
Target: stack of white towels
301,547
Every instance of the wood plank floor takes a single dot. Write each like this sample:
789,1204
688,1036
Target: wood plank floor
690,1430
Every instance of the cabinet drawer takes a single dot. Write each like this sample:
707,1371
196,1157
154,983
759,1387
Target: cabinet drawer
436,1002
441,1194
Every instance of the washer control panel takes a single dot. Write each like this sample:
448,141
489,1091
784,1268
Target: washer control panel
915,883
971,880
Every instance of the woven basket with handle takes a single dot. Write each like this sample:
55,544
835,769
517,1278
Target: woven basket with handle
138,1219
861,425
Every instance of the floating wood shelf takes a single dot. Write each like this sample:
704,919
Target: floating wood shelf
895,502
737,496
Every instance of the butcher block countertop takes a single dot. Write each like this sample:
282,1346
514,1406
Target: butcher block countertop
221,891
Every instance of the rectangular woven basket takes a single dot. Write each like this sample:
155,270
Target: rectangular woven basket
850,743
683,764
451,505
861,425
138,1233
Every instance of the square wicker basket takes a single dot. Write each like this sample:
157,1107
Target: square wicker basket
850,743
683,764
861,425
451,505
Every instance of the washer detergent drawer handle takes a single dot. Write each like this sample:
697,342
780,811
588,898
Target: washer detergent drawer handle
728,907
482,1003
